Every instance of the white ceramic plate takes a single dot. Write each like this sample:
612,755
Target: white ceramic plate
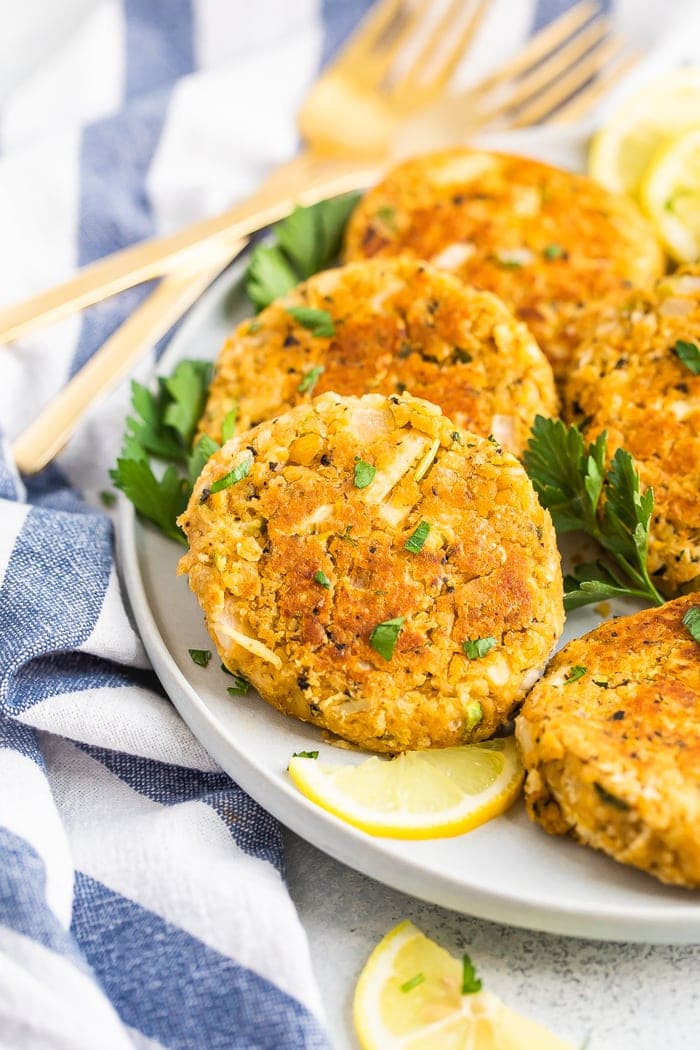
508,870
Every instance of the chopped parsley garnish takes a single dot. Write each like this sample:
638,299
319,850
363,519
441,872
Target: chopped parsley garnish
310,379
582,494
305,754
689,354
107,498
201,657
691,620
455,437
470,982
228,426
240,471
318,322
553,251
201,453
364,474
412,982
462,355
162,427
607,796
384,636
416,540
475,648
240,687
575,673
322,580
305,242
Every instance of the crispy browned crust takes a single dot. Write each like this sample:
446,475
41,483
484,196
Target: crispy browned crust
631,383
614,757
489,568
546,241
399,325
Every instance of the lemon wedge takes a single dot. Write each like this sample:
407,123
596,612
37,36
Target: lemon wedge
670,194
420,794
621,151
409,997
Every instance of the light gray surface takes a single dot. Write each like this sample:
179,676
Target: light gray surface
620,996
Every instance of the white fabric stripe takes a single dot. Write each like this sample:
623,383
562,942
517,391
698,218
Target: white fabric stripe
27,809
113,637
181,863
46,1003
128,719
13,518
55,95
264,23
141,1041
505,27
201,166
35,368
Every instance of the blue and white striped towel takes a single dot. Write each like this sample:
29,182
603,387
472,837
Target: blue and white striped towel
142,897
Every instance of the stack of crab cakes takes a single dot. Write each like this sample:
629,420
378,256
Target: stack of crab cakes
376,571
546,241
387,326
638,379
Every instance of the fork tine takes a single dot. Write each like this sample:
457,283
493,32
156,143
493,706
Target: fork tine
412,80
367,35
568,84
376,66
587,97
549,38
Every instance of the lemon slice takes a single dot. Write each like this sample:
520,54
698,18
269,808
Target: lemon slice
409,997
622,149
420,794
670,193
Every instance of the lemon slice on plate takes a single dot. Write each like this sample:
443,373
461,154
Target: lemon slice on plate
409,997
622,149
670,193
420,794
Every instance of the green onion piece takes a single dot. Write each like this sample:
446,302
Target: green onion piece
412,983
475,648
318,322
470,982
322,580
229,424
364,473
233,476
384,636
575,673
553,251
691,620
201,657
415,541
475,713
310,379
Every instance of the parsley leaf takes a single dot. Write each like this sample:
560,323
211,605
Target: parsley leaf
187,387
417,539
305,242
228,427
107,498
582,493
201,657
200,455
691,620
364,474
322,580
160,500
310,379
689,354
475,648
470,982
305,754
553,251
240,687
318,322
385,635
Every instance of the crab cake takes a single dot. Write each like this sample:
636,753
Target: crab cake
610,739
376,571
387,326
544,240
637,378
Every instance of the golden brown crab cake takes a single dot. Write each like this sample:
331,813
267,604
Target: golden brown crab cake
638,379
387,325
610,739
546,241
310,591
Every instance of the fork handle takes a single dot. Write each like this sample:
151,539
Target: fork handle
304,180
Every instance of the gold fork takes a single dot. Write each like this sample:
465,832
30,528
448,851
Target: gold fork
531,82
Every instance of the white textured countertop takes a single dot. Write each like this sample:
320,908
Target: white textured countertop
619,996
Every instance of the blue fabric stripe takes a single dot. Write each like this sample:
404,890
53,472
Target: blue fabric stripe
52,592
339,19
23,906
547,10
118,152
16,737
71,672
10,486
252,829
163,982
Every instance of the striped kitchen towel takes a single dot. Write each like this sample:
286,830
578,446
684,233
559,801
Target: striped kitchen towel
142,894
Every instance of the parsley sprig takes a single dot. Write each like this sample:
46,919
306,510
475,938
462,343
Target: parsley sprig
582,494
